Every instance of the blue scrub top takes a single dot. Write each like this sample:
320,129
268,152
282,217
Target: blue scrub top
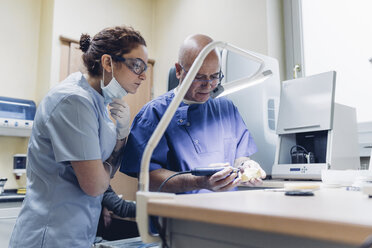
71,124
198,135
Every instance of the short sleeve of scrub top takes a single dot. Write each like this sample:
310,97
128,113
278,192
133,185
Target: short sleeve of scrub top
73,129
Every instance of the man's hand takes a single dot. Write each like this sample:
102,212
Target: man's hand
121,113
223,180
251,172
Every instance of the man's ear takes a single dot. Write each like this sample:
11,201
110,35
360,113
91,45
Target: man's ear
106,63
178,70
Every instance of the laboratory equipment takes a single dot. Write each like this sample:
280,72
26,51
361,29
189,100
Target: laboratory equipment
16,116
365,143
258,105
309,118
208,171
367,189
2,184
299,193
19,164
201,171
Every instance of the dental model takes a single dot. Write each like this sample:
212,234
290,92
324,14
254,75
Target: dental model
250,173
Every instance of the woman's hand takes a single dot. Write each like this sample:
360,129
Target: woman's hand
121,113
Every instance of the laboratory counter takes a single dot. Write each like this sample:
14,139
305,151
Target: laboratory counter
262,218
11,196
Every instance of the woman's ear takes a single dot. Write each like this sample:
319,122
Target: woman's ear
106,63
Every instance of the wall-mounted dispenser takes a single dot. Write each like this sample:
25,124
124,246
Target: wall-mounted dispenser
19,164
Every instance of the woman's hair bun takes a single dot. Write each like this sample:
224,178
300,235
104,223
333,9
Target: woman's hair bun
84,42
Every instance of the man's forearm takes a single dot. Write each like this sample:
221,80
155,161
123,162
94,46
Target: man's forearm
178,184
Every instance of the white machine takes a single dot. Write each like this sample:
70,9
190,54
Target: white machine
258,104
314,133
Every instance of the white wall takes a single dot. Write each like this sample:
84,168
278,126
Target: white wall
19,29
275,34
340,39
239,22
19,41
72,18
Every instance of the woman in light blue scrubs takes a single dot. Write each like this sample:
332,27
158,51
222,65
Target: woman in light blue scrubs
75,148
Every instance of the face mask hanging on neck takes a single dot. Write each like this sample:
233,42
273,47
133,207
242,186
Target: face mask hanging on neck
113,89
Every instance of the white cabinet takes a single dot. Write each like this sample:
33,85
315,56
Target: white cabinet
8,215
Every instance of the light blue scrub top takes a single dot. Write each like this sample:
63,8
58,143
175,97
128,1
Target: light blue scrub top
71,124
198,135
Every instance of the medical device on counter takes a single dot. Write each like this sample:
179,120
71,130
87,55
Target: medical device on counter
19,164
258,104
201,171
16,116
314,132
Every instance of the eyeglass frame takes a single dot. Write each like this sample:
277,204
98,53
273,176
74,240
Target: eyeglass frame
125,61
220,76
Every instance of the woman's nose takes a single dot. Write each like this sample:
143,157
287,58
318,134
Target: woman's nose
142,76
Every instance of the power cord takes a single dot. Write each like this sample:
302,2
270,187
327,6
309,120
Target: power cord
298,156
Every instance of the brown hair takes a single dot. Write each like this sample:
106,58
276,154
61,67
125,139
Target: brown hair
113,41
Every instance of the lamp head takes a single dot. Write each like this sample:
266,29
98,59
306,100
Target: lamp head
229,88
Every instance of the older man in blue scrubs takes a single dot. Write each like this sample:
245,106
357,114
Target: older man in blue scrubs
202,132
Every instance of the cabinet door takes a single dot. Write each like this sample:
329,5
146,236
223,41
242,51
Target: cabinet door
8,218
71,60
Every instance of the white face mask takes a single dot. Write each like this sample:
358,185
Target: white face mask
113,89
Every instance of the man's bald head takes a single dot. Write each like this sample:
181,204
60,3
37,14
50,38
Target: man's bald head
207,77
191,48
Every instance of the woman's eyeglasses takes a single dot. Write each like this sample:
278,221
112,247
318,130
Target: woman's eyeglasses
136,65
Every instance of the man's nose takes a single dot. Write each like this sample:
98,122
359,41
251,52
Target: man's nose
211,83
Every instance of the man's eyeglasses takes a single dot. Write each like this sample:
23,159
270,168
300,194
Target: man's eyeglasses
204,78
136,65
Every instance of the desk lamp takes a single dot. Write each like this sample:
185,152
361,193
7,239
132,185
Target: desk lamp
143,195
